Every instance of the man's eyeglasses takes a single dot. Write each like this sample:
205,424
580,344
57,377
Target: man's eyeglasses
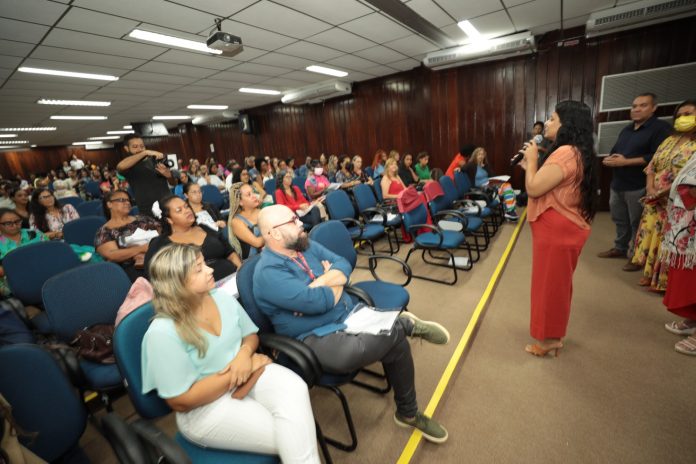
11,223
121,200
294,219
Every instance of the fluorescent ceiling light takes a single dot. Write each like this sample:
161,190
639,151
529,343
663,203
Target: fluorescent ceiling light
53,72
165,118
473,33
80,118
120,132
324,70
128,127
7,136
207,107
12,142
259,91
173,41
32,145
88,142
26,129
105,137
45,101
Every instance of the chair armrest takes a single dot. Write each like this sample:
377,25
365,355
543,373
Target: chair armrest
468,204
369,213
70,364
123,440
356,223
372,264
161,447
18,308
299,353
413,230
449,213
360,294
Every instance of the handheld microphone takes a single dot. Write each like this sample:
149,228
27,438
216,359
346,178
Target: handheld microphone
515,160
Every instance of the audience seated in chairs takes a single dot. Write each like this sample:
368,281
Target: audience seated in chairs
199,353
112,240
317,182
479,173
179,226
206,214
406,173
20,197
184,179
48,215
359,172
244,234
13,235
345,175
391,184
299,283
290,195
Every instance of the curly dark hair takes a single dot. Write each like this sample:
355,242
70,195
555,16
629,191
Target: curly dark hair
39,211
577,130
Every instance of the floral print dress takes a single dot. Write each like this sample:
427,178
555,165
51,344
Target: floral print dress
665,166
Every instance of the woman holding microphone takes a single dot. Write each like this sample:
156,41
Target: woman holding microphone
560,210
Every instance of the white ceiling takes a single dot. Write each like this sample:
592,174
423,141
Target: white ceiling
281,38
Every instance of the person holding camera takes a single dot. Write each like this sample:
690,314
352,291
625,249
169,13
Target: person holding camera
147,172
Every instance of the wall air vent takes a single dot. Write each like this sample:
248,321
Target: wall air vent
316,93
637,14
493,49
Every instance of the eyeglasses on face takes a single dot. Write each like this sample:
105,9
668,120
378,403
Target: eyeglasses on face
44,197
121,200
11,223
294,219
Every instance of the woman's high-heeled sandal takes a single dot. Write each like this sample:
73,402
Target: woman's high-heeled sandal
537,350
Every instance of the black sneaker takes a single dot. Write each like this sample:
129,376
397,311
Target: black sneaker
430,428
512,216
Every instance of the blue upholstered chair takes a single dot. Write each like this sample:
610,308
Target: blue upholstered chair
44,402
212,195
81,297
339,207
335,236
465,190
270,187
90,208
299,182
468,206
71,201
92,190
434,241
83,230
368,208
128,350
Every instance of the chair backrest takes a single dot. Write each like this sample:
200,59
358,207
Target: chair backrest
270,187
87,295
462,182
339,206
128,351
449,189
83,230
435,197
92,189
212,195
245,286
299,182
71,201
42,399
335,236
90,208
29,266
364,197
377,189
369,171
418,215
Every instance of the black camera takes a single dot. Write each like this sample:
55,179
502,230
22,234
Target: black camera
168,163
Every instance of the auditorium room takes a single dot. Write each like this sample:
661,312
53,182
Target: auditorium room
347,231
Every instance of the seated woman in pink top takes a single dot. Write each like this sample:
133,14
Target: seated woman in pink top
316,183
291,196
562,204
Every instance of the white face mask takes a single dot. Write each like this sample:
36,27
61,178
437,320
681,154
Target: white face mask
318,171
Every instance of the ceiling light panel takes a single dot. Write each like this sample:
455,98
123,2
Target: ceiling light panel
79,118
327,71
26,129
168,117
172,41
7,136
121,132
12,142
259,91
105,137
46,101
207,107
56,72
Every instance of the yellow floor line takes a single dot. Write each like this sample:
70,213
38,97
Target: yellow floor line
416,436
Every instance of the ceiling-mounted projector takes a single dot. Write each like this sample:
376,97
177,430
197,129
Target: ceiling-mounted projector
228,44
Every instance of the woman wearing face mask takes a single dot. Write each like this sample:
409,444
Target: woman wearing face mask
179,226
316,183
562,203
244,235
669,159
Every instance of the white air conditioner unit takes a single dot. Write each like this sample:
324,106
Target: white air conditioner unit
316,93
215,118
638,14
487,50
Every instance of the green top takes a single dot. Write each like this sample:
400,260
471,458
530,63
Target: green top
171,365
423,172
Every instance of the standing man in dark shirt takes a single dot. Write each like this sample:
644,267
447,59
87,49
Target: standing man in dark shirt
149,179
633,150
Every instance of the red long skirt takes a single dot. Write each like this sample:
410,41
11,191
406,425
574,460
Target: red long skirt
556,246
680,298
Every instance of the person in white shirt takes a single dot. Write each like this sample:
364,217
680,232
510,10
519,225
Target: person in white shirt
210,179
76,163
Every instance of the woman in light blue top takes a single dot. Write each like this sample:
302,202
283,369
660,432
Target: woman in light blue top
199,353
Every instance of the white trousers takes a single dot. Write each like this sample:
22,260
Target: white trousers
274,418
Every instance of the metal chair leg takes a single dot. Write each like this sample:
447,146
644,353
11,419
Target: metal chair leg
349,420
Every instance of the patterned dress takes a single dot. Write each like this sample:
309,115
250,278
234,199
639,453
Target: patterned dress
665,166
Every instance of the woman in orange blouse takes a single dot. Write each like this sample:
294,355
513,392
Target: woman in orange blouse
561,207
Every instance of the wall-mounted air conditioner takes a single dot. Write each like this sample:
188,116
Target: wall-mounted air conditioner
492,49
316,93
638,14
215,118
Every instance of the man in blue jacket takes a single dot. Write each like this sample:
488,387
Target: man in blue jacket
299,284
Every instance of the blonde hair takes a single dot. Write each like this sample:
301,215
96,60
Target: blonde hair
476,152
235,206
387,165
169,270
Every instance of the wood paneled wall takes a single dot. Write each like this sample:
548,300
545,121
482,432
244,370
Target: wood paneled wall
492,104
